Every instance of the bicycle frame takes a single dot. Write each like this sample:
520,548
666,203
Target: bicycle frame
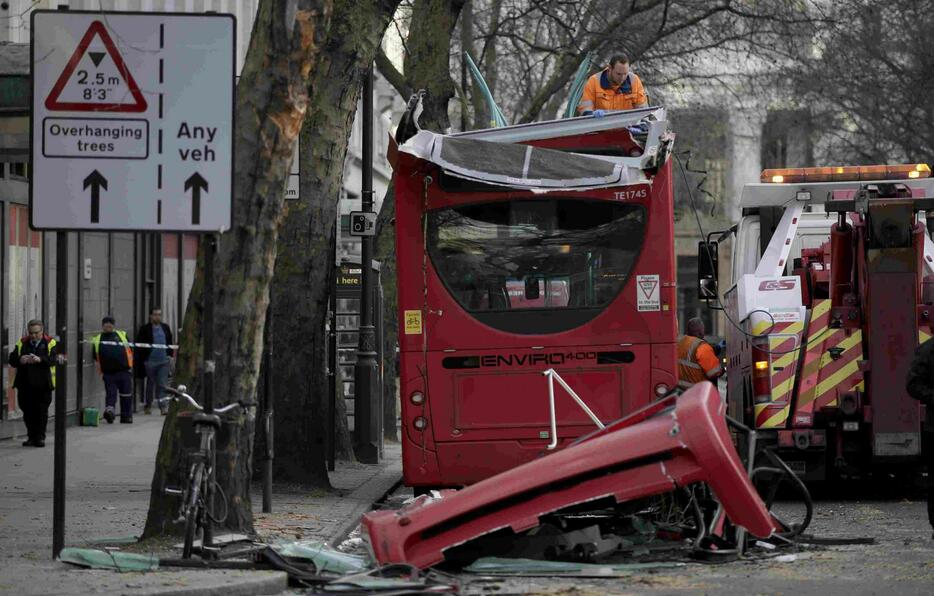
197,498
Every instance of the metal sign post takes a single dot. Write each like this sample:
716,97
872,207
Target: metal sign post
365,368
207,323
61,395
132,130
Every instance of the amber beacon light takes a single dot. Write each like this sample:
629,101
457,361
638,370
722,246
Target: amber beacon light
845,173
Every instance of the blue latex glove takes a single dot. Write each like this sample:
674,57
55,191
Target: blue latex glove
599,113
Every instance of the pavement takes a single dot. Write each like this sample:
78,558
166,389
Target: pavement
109,473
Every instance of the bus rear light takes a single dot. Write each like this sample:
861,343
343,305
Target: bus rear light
661,390
762,365
417,398
420,423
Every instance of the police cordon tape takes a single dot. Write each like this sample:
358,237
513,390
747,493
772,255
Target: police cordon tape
132,344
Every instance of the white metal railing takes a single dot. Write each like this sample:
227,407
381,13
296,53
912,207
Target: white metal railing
553,375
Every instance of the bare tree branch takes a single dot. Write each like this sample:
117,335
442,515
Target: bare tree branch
392,74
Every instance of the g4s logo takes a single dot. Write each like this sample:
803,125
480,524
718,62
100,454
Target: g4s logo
773,285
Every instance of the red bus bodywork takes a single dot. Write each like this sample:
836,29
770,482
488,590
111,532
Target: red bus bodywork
672,443
480,402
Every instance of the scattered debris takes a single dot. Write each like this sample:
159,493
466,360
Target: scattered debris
393,579
842,541
221,540
114,540
632,498
105,559
633,459
324,558
536,568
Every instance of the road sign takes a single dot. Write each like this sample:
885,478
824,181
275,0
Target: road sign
132,121
111,86
648,297
362,223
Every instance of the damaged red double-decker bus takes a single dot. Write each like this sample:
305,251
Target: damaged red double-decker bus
523,249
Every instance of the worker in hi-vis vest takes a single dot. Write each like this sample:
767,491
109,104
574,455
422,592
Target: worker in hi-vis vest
696,359
34,357
614,88
114,358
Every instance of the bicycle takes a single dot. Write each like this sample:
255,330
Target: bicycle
195,511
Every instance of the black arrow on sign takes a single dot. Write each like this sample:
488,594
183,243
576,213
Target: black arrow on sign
96,181
196,183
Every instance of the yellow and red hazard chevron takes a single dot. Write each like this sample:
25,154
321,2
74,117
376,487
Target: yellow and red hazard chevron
784,348
824,378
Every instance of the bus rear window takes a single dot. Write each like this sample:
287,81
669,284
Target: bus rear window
549,254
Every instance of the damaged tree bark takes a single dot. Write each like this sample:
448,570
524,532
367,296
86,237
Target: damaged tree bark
304,276
271,103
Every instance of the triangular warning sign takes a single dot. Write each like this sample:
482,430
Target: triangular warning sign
648,286
99,85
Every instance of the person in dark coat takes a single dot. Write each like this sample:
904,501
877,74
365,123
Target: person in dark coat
34,358
154,363
114,357
920,385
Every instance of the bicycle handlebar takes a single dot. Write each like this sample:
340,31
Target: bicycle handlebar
223,409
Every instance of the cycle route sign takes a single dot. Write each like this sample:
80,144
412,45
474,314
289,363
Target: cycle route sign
132,121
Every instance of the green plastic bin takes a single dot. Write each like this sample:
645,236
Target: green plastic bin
90,417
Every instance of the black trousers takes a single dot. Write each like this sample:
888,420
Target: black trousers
35,406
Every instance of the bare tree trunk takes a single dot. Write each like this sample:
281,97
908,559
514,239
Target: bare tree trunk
271,103
471,95
488,64
304,277
427,62
426,67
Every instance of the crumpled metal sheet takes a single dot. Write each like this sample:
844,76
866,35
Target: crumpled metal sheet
102,559
670,444
325,558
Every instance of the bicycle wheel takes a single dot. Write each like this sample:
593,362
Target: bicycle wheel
194,509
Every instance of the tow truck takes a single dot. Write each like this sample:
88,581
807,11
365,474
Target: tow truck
832,291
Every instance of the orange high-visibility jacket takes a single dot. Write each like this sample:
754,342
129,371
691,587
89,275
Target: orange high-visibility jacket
599,94
696,361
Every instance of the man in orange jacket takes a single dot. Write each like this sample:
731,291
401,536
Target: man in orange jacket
615,88
696,359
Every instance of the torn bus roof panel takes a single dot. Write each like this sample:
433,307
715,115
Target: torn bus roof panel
521,166
684,443
575,127
633,138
